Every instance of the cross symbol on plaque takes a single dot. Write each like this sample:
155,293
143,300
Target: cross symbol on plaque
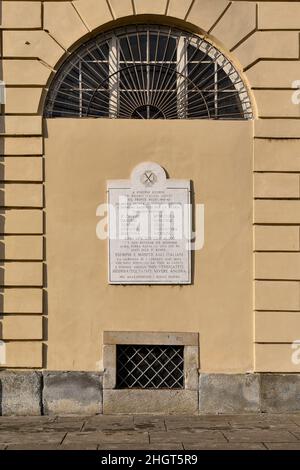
149,178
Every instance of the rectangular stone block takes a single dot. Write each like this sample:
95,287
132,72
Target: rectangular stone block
276,327
147,337
266,75
279,15
20,393
280,393
25,72
277,212
269,45
21,125
31,44
21,14
150,401
21,169
276,238
225,393
22,100
25,354
277,155
276,185
109,366
277,266
23,195
72,393
276,103
277,357
21,301
21,146
277,128
23,327
21,221
23,247
23,274
277,295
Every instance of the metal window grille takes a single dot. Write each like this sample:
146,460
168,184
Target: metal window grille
153,367
148,72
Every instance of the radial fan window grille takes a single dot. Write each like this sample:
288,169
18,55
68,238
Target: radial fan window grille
148,72
153,367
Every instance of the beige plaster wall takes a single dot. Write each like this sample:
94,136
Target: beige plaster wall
262,38
80,156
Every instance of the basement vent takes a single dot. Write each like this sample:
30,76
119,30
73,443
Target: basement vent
150,367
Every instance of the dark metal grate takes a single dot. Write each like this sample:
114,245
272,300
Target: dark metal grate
148,72
150,367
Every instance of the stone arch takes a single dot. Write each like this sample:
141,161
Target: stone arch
231,26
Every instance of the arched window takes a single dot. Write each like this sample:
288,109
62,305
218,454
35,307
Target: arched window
148,72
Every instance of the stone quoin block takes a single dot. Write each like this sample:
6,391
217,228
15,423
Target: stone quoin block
20,393
72,393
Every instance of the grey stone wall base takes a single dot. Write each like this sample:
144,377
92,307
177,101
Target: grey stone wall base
224,393
280,393
72,393
20,393
35,393
150,402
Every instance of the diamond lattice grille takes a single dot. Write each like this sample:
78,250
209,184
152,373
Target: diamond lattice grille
150,367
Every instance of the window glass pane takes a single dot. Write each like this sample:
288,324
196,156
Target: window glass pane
201,75
163,48
96,103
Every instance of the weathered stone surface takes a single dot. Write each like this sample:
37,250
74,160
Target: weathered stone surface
72,392
199,436
222,393
255,435
280,393
124,437
31,438
150,401
109,423
20,393
283,445
223,446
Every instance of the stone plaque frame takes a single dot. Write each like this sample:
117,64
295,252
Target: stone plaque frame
150,180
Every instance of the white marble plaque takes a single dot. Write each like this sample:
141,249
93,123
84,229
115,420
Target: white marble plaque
149,228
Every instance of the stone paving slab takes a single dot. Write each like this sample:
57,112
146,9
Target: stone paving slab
223,446
149,432
283,446
103,437
140,447
7,437
182,436
255,435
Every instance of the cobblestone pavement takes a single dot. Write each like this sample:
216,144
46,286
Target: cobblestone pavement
235,432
